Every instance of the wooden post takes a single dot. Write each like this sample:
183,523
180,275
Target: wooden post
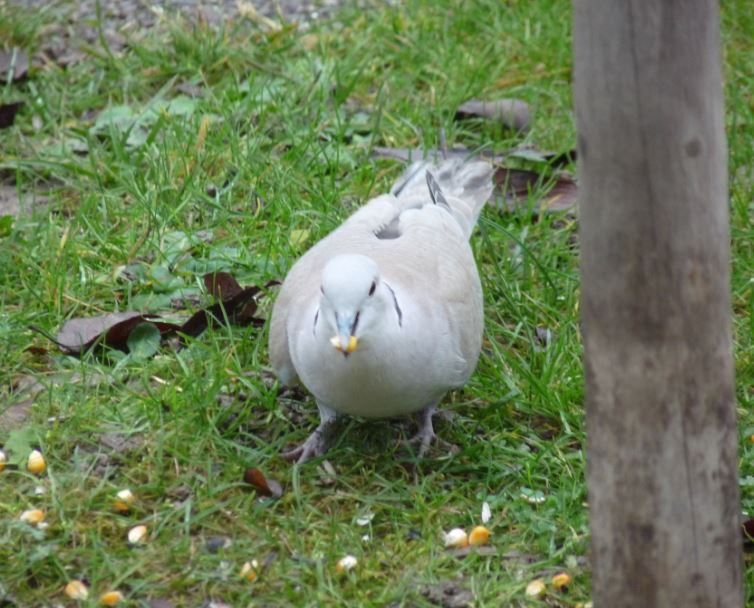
662,468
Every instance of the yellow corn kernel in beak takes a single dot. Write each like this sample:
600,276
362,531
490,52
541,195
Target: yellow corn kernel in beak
353,342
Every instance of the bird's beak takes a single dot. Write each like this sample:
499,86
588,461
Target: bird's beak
344,341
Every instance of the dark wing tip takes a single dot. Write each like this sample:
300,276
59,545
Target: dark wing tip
435,191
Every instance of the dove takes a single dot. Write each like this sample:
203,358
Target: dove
383,316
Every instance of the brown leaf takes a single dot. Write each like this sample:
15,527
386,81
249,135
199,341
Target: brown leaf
8,113
222,285
262,484
79,334
239,308
14,65
515,185
511,113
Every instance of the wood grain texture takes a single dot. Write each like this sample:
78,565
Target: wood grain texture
662,468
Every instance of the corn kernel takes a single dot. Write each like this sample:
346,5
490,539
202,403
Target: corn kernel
110,598
249,570
346,563
123,500
561,581
36,463
137,535
479,536
456,538
76,590
32,516
536,588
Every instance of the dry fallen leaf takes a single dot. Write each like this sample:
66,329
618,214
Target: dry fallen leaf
80,334
262,484
511,113
516,185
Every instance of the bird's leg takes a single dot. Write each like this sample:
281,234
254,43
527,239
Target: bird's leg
319,441
425,435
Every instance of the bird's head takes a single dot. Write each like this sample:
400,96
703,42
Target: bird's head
352,300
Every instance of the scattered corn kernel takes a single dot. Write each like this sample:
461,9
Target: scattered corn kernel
137,535
346,563
249,570
536,588
3,460
110,598
36,463
486,512
32,516
456,538
76,590
561,581
123,500
479,536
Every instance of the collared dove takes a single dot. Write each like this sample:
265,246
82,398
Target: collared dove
384,316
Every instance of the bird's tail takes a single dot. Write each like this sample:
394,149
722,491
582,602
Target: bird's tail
464,186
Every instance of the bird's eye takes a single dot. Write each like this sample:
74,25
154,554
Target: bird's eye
372,288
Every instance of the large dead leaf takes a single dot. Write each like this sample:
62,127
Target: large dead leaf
511,113
239,306
14,65
554,194
114,330
140,334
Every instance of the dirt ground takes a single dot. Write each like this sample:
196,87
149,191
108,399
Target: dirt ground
74,23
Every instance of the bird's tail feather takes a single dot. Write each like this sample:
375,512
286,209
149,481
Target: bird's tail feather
465,185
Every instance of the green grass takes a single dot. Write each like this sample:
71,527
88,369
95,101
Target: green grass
280,142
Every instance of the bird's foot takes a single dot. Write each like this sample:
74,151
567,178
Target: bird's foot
426,436
315,445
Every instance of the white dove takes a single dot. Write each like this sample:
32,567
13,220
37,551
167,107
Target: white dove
384,316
